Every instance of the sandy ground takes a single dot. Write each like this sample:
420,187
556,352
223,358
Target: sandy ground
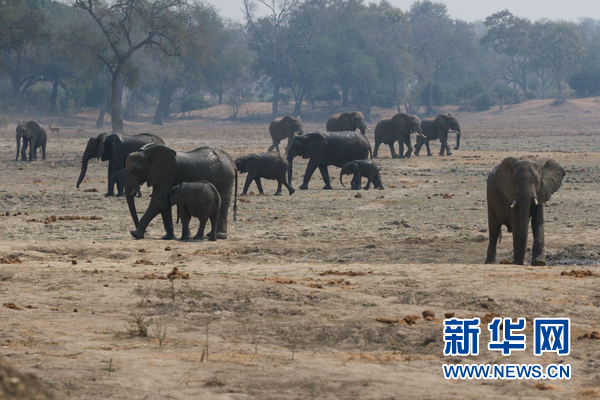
286,307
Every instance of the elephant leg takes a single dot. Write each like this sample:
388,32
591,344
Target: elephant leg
375,149
167,218
418,145
200,233
44,151
110,185
249,179
185,219
313,163
494,228
428,149
325,174
213,227
279,185
158,205
537,228
226,196
356,181
287,185
31,147
409,146
392,150
400,149
445,147
259,185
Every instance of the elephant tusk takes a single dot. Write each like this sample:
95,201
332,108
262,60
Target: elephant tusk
535,201
368,128
514,203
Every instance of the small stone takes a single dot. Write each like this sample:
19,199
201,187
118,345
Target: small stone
358,195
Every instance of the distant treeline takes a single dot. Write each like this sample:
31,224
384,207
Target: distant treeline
163,56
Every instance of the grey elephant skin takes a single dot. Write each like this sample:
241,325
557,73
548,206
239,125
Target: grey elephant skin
284,128
200,200
437,128
398,128
34,137
348,121
362,169
324,149
516,192
119,178
264,165
115,148
162,168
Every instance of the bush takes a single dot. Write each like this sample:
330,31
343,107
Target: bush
194,102
483,101
506,94
586,84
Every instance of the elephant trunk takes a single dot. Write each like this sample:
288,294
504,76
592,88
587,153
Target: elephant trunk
84,166
341,174
457,140
523,204
131,185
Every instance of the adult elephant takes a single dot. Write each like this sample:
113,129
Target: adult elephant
516,192
327,148
437,128
34,137
398,128
348,121
115,148
284,128
163,168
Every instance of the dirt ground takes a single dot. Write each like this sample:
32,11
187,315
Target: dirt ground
286,307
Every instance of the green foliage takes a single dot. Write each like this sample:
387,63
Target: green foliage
586,84
506,94
193,102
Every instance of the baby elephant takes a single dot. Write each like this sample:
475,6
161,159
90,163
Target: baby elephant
264,165
362,168
201,200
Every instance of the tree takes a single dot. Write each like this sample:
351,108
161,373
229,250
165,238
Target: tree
128,26
558,45
510,36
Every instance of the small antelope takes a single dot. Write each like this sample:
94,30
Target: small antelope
79,131
54,130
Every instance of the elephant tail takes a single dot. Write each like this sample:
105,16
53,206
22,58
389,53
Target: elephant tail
235,196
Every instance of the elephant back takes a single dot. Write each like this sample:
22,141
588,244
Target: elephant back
346,146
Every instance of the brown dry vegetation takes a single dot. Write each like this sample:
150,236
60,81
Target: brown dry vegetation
263,314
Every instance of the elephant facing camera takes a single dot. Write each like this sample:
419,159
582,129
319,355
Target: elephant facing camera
200,200
34,137
362,169
264,165
516,192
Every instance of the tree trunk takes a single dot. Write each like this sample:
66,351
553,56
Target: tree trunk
115,101
162,110
430,99
100,120
367,107
345,95
276,90
220,95
54,97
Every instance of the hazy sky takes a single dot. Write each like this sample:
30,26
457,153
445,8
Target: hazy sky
472,10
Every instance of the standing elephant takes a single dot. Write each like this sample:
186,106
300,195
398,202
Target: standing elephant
163,168
348,121
264,165
516,192
437,128
200,200
398,128
34,137
327,148
282,128
115,148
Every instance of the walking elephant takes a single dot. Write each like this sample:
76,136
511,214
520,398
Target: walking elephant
282,128
200,200
163,168
362,169
115,148
327,148
264,165
398,128
34,137
437,128
516,192
348,121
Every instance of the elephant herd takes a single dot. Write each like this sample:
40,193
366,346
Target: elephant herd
202,182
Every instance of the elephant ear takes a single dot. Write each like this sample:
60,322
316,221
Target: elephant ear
441,122
316,144
400,121
353,167
503,177
552,176
346,121
101,145
161,163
